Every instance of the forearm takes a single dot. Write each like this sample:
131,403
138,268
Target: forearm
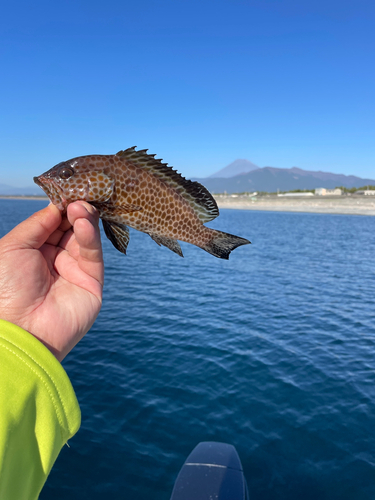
39,412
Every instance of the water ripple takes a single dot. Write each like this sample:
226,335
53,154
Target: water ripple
272,351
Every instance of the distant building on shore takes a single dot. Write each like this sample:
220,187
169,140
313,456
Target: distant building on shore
366,192
296,194
328,192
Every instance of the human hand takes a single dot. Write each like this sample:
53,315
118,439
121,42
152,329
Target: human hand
51,275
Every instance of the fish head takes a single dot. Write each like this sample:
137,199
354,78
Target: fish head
76,179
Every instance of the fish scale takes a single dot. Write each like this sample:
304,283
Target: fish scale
133,188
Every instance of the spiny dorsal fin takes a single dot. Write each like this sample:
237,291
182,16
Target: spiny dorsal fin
194,193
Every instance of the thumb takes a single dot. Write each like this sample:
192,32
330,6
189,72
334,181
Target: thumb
34,231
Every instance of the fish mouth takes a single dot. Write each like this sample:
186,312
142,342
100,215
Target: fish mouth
53,191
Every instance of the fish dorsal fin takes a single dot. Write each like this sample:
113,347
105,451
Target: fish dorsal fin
194,193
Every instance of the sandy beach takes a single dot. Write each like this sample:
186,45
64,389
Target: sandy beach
350,205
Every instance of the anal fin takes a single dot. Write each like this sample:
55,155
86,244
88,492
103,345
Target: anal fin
169,243
118,234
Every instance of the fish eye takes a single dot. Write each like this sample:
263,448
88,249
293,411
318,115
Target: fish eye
66,172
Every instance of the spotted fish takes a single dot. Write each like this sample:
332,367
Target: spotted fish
132,188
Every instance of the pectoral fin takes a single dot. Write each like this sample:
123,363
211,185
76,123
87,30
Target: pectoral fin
169,243
110,211
128,208
118,234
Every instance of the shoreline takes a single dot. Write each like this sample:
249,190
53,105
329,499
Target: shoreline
344,205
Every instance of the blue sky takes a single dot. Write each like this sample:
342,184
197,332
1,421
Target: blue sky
199,83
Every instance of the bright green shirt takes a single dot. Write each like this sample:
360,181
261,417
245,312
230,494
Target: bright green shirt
39,412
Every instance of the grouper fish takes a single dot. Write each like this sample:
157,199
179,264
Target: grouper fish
133,188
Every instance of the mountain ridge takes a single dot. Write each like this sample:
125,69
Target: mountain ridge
272,179
237,167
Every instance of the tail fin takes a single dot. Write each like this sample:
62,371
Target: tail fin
222,244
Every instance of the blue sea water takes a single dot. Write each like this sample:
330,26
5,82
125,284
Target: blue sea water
272,351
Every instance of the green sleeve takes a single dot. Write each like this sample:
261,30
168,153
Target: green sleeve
39,412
